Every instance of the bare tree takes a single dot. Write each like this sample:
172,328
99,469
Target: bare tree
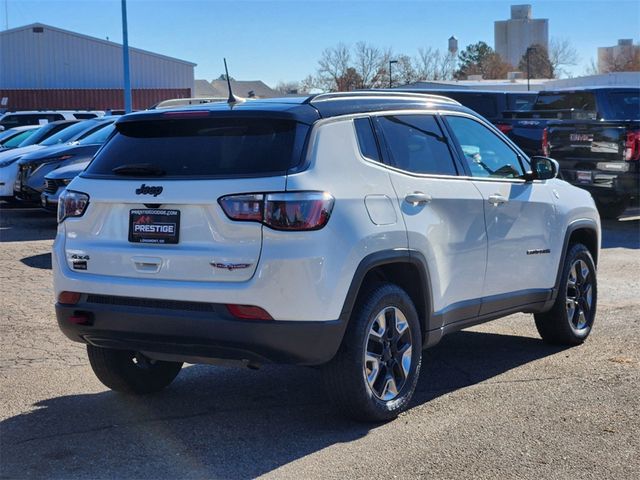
368,63
287,88
333,65
562,54
405,71
431,64
627,60
309,83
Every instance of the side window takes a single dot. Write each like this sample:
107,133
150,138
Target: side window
366,139
484,152
416,144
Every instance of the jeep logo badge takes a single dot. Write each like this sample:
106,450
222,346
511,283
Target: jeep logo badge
147,190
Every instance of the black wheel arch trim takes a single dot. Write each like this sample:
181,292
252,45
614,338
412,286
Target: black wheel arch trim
582,224
387,257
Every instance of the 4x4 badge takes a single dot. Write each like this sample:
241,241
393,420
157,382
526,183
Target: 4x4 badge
147,190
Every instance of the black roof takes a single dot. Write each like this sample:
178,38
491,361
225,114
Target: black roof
311,108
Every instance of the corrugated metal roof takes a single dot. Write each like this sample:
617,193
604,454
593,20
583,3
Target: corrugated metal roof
38,56
93,39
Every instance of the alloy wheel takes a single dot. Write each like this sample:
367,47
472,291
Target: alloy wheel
387,357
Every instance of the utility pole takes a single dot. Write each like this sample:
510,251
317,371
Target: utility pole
125,59
391,62
6,14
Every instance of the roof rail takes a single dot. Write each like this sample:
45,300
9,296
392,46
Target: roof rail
320,97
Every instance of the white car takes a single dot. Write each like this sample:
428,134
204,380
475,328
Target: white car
348,230
41,117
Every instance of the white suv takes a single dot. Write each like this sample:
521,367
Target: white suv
344,230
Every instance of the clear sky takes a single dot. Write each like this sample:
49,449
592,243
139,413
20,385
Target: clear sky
282,40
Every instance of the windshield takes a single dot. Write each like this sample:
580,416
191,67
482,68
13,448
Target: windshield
209,147
68,134
98,137
625,105
18,139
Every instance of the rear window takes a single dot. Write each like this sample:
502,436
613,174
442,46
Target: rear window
566,101
520,102
484,104
17,120
625,105
84,116
208,147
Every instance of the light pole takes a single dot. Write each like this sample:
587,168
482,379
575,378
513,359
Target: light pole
391,62
125,59
528,52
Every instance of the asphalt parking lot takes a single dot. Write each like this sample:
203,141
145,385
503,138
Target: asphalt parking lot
492,402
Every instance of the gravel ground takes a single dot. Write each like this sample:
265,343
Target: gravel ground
493,400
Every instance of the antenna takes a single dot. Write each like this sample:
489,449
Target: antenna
232,99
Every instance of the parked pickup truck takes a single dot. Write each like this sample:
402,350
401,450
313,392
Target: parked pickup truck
601,154
525,127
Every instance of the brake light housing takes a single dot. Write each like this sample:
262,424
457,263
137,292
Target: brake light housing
504,127
286,211
72,204
632,146
546,148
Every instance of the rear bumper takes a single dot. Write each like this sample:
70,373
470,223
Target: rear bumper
189,329
616,184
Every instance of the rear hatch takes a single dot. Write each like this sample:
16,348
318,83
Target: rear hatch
528,125
154,189
591,152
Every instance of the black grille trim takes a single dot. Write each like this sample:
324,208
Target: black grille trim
154,303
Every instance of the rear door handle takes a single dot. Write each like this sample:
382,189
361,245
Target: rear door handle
418,198
497,199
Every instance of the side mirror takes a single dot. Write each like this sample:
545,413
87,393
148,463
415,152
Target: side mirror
543,168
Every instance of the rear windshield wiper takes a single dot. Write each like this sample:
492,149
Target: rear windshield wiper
139,169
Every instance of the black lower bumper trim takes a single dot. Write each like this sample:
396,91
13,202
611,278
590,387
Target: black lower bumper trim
211,334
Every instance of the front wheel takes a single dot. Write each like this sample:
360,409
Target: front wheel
571,318
131,372
374,374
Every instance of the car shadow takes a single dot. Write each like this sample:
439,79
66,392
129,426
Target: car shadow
621,234
26,224
42,261
228,423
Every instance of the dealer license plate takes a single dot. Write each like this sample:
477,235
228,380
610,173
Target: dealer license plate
154,226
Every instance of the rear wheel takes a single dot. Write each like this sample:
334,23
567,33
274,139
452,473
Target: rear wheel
374,374
571,318
131,372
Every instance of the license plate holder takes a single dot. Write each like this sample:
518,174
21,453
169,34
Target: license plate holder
153,225
584,176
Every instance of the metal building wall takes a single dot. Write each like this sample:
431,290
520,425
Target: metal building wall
86,99
54,58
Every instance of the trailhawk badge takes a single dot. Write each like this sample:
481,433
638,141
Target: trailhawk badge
230,266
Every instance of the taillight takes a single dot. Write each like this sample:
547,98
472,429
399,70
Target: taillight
72,204
632,146
545,142
292,211
504,127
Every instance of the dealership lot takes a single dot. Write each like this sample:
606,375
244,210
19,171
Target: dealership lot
493,401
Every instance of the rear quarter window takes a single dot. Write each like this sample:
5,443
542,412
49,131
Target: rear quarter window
210,147
625,105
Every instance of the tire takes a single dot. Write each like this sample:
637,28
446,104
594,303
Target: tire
345,377
131,372
571,318
611,209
